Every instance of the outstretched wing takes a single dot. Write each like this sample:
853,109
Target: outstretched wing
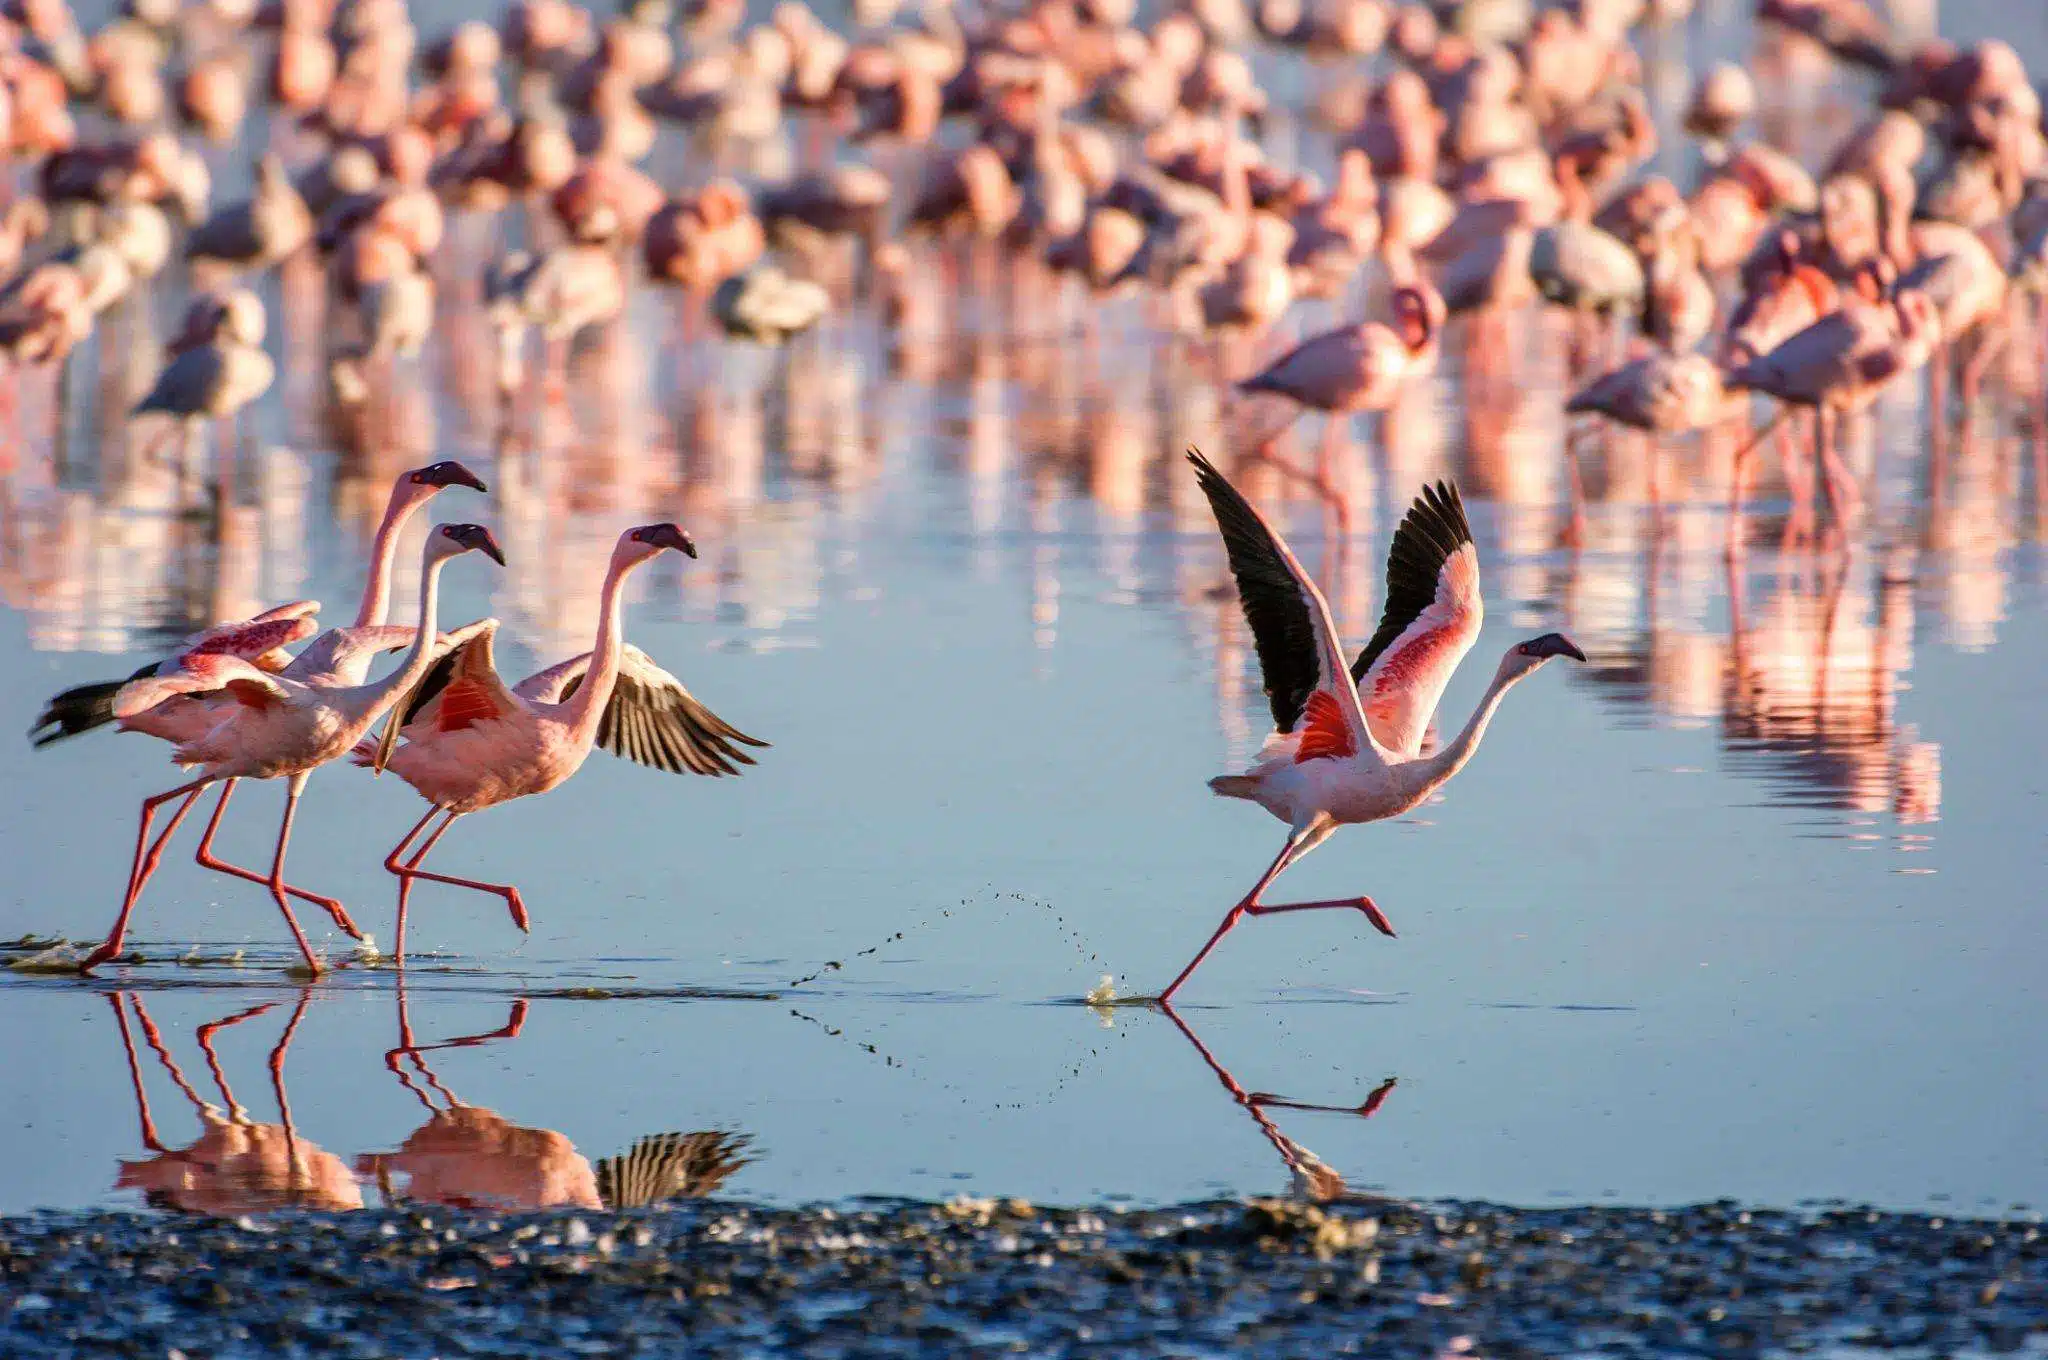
461,687
348,651
670,1166
1291,626
1431,620
651,718
252,638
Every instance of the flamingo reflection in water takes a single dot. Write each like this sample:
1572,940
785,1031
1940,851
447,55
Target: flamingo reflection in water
236,1165
466,1156
1313,1179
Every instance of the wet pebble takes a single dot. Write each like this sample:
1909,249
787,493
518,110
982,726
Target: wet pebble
992,1276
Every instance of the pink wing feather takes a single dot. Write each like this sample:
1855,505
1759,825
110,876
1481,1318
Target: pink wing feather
1431,620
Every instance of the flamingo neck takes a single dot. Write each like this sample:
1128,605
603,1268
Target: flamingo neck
1237,184
376,605
586,706
1439,768
371,700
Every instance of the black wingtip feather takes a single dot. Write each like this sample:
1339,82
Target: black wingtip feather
671,1166
1434,528
74,712
1281,619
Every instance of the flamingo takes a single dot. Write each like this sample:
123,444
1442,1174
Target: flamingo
1347,742
471,742
217,377
1362,367
1837,365
277,727
339,656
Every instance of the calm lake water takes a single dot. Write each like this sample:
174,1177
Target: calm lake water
1748,906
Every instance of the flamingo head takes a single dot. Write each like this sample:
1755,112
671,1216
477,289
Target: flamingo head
242,318
1418,315
453,540
421,484
1524,657
637,545
1919,316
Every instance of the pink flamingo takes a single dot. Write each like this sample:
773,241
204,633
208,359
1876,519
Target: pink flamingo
1837,365
339,656
1347,742
1361,367
471,742
278,727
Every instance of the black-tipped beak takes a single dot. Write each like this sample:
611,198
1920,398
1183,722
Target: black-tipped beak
1553,644
451,473
478,539
667,536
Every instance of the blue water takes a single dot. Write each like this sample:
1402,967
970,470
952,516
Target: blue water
1748,906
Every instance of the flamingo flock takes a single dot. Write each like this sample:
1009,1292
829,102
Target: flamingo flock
1480,198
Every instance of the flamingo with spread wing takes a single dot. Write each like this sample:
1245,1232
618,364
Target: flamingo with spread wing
1347,740
339,656
472,742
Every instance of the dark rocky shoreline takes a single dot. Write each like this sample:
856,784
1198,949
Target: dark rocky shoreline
1002,1277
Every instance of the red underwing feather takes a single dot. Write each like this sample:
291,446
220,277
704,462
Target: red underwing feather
465,702
1323,730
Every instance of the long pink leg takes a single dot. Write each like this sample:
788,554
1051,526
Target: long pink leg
138,873
149,1135
148,866
207,860
204,1034
276,880
1299,843
1845,498
394,864
1365,904
1366,1110
155,1039
411,870
284,1109
1575,528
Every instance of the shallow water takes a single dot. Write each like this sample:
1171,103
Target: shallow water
1747,907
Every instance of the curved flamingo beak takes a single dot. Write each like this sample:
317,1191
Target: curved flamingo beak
666,536
476,538
1552,644
449,473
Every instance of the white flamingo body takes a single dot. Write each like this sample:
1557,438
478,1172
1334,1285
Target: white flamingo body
470,742
1347,741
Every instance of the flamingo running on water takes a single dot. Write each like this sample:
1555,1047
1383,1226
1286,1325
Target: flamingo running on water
472,742
1347,742
339,656
279,726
